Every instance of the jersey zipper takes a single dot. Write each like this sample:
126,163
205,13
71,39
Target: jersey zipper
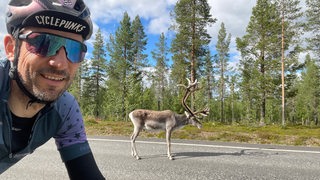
9,124
32,130
36,122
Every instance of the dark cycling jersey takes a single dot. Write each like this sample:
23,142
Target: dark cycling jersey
61,120
21,130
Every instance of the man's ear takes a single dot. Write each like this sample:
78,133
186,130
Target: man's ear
9,45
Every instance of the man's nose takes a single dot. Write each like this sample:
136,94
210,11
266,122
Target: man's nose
59,60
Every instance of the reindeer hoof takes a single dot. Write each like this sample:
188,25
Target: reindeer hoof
136,156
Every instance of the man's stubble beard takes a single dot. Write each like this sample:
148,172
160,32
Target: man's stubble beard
48,94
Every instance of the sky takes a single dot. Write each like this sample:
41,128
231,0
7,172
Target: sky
155,16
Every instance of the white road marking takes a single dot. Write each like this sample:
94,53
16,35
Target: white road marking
211,146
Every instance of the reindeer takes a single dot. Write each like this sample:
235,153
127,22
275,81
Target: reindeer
166,120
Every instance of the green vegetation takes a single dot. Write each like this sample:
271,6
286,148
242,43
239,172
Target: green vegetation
270,134
119,78
270,85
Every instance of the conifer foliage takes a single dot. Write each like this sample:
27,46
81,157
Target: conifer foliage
270,83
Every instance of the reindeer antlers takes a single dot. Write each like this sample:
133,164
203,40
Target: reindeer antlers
204,112
192,87
189,90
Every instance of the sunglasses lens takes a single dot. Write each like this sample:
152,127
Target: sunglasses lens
75,50
37,44
48,45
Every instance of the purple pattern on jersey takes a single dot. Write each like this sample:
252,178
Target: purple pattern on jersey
72,130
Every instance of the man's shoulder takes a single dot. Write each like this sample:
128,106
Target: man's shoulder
4,68
66,103
4,62
4,75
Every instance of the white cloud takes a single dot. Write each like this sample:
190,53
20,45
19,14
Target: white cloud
107,14
159,25
234,13
112,10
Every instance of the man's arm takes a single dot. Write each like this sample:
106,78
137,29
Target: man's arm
72,143
83,167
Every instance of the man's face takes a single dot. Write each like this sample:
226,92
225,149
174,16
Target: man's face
46,77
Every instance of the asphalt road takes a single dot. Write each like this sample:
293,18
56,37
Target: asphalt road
194,160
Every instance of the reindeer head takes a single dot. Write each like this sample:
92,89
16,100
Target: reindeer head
193,120
192,116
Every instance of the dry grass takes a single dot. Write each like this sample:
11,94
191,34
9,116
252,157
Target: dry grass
291,135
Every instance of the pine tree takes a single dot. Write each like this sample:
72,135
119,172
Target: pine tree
75,88
248,74
233,96
120,49
313,25
191,40
178,75
86,100
159,54
139,42
138,63
308,97
290,33
207,85
191,30
94,81
209,77
261,47
222,64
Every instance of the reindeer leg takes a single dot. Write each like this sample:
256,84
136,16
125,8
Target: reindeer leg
133,139
168,138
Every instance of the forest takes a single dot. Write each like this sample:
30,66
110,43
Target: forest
273,83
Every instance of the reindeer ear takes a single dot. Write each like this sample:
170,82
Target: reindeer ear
187,114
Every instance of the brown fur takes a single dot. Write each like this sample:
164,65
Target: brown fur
165,120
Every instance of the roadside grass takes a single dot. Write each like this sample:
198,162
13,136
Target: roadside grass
269,134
